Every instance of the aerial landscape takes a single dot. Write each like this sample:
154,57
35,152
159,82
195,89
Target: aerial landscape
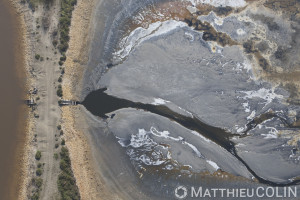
150,99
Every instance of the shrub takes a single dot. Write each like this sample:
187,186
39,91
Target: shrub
35,196
60,79
61,132
67,7
59,91
54,42
37,182
39,172
59,127
66,182
63,58
37,56
63,142
56,156
39,165
38,155
56,146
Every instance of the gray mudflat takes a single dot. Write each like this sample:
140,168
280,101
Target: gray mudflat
180,70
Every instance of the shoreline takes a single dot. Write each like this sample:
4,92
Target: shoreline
76,141
75,65
23,149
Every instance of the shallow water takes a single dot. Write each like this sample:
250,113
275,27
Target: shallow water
10,107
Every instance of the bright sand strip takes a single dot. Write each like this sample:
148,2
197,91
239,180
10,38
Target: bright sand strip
88,181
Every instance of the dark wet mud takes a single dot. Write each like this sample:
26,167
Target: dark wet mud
101,104
254,134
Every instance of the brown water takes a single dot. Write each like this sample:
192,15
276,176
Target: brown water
11,111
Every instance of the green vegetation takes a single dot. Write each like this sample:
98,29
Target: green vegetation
59,91
66,182
37,56
56,156
39,172
37,183
63,58
38,155
61,132
39,165
59,127
60,79
63,142
34,3
54,42
56,146
67,6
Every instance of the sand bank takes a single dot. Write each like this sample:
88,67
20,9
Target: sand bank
90,187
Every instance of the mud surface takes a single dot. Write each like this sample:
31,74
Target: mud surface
231,65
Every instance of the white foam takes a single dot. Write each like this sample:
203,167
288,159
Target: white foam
240,31
140,139
218,3
189,36
159,101
169,167
246,107
148,161
202,137
191,9
191,114
240,130
243,66
213,164
140,34
141,142
194,149
266,94
272,133
165,134
240,145
218,21
252,115
247,65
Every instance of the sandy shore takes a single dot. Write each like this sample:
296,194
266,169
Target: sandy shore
90,187
76,141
